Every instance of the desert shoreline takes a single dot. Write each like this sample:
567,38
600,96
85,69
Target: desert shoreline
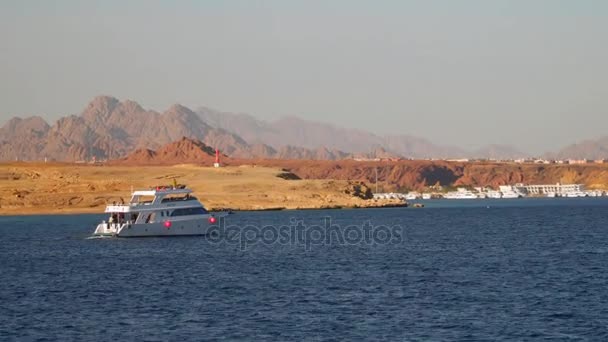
60,188
234,211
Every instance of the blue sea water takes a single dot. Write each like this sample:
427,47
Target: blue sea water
462,270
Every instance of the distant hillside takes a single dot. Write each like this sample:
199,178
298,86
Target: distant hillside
309,134
23,137
109,129
588,149
498,152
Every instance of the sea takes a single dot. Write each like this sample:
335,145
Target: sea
455,270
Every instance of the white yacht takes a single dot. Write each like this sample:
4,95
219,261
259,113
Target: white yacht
493,194
410,196
460,193
161,211
509,191
575,194
594,193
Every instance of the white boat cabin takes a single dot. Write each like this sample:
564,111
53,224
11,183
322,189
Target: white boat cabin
158,204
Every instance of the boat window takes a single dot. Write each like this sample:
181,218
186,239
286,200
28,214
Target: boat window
142,199
189,211
150,218
173,198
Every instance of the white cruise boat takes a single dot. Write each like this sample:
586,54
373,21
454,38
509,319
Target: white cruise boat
493,194
460,193
594,193
410,196
509,191
162,211
511,194
575,194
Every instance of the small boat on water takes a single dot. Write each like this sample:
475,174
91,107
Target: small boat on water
509,191
160,211
460,193
410,196
493,194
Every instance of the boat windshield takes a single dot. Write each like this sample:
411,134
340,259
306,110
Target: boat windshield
140,199
172,198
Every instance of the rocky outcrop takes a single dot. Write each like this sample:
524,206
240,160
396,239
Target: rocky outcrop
418,175
183,151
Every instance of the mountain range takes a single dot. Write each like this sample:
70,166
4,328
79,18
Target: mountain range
109,129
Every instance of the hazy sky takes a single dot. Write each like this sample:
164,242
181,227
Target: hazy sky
532,73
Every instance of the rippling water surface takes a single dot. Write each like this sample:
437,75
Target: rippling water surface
464,270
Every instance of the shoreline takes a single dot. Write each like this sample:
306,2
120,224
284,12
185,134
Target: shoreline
84,211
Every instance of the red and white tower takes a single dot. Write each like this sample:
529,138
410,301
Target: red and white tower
217,158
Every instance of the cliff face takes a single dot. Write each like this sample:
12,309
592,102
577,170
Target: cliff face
417,175
391,175
592,175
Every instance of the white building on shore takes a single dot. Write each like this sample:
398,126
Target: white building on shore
558,189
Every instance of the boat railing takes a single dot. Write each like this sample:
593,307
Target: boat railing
116,226
117,208
138,204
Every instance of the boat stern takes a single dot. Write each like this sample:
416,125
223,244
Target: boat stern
106,229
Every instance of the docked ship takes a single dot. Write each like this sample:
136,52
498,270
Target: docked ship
460,193
509,191
159,211
576,194
493,194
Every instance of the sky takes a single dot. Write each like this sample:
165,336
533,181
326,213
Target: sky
529,73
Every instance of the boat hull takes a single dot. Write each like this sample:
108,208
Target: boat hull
174,228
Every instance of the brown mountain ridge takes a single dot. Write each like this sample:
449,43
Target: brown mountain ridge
109,129
183,151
